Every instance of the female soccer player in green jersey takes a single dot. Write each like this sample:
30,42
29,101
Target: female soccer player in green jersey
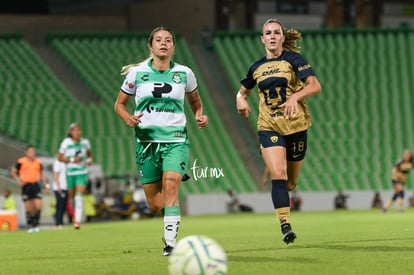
284,81
160,86
75,151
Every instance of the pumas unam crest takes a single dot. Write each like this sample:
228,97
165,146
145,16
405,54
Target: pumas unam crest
176,78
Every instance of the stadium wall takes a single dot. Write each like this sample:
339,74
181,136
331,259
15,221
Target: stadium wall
198,204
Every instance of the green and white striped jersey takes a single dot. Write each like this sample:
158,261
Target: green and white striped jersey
160,97
70,149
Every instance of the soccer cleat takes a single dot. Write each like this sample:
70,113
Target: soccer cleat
30,230
384,210
76,225
288,235
167,249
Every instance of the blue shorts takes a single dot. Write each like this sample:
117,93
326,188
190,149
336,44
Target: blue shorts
295,144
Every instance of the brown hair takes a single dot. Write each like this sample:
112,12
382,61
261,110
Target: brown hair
291,36
126,69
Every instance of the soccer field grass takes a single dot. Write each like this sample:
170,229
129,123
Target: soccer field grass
342,242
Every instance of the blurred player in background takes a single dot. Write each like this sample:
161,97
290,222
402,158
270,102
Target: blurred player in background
284,81
160,86
27,172
75,151
60,190
399,177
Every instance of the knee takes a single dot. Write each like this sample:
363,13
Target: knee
279,174
154,205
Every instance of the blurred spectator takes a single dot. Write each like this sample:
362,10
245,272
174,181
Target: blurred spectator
234,205
295,201
340,201
89,202
125,205
9,202
60,191
376,201
411,200
70,211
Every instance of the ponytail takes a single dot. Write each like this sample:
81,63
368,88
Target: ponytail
291,38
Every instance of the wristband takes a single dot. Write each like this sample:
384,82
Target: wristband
240,95
89,160
47,185
72,159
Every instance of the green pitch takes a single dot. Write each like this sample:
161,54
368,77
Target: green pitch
343,242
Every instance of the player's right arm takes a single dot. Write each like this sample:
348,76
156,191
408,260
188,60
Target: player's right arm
121,109
243,107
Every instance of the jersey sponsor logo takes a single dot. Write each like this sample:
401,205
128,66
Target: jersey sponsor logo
151,109
275,71
177,78
145,77
161,88
178,134
129,84
304,67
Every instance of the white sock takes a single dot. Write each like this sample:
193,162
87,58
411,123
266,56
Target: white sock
78,207
172,218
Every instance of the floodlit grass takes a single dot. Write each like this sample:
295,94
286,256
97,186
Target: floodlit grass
343,242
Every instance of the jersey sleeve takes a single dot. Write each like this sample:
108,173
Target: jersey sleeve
56,166
191,82
129,84
62,147
249,82
302,68
18,165
87,144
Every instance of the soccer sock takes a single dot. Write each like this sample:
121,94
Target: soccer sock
172,218
36,218
281,201
78,207
29,219
400,200
391,201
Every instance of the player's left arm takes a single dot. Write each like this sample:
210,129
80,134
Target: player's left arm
43,178
312,87
89,157
197,107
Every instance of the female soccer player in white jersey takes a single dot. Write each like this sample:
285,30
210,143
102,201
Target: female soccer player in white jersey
76,153
159,86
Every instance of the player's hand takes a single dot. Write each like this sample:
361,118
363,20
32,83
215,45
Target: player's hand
243,107
77,159
290,107
20,182
134,120
202,121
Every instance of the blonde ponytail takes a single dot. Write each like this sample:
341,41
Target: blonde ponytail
291,38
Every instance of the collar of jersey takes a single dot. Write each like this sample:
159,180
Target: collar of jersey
157,71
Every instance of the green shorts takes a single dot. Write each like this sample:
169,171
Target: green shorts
77,180
154,158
